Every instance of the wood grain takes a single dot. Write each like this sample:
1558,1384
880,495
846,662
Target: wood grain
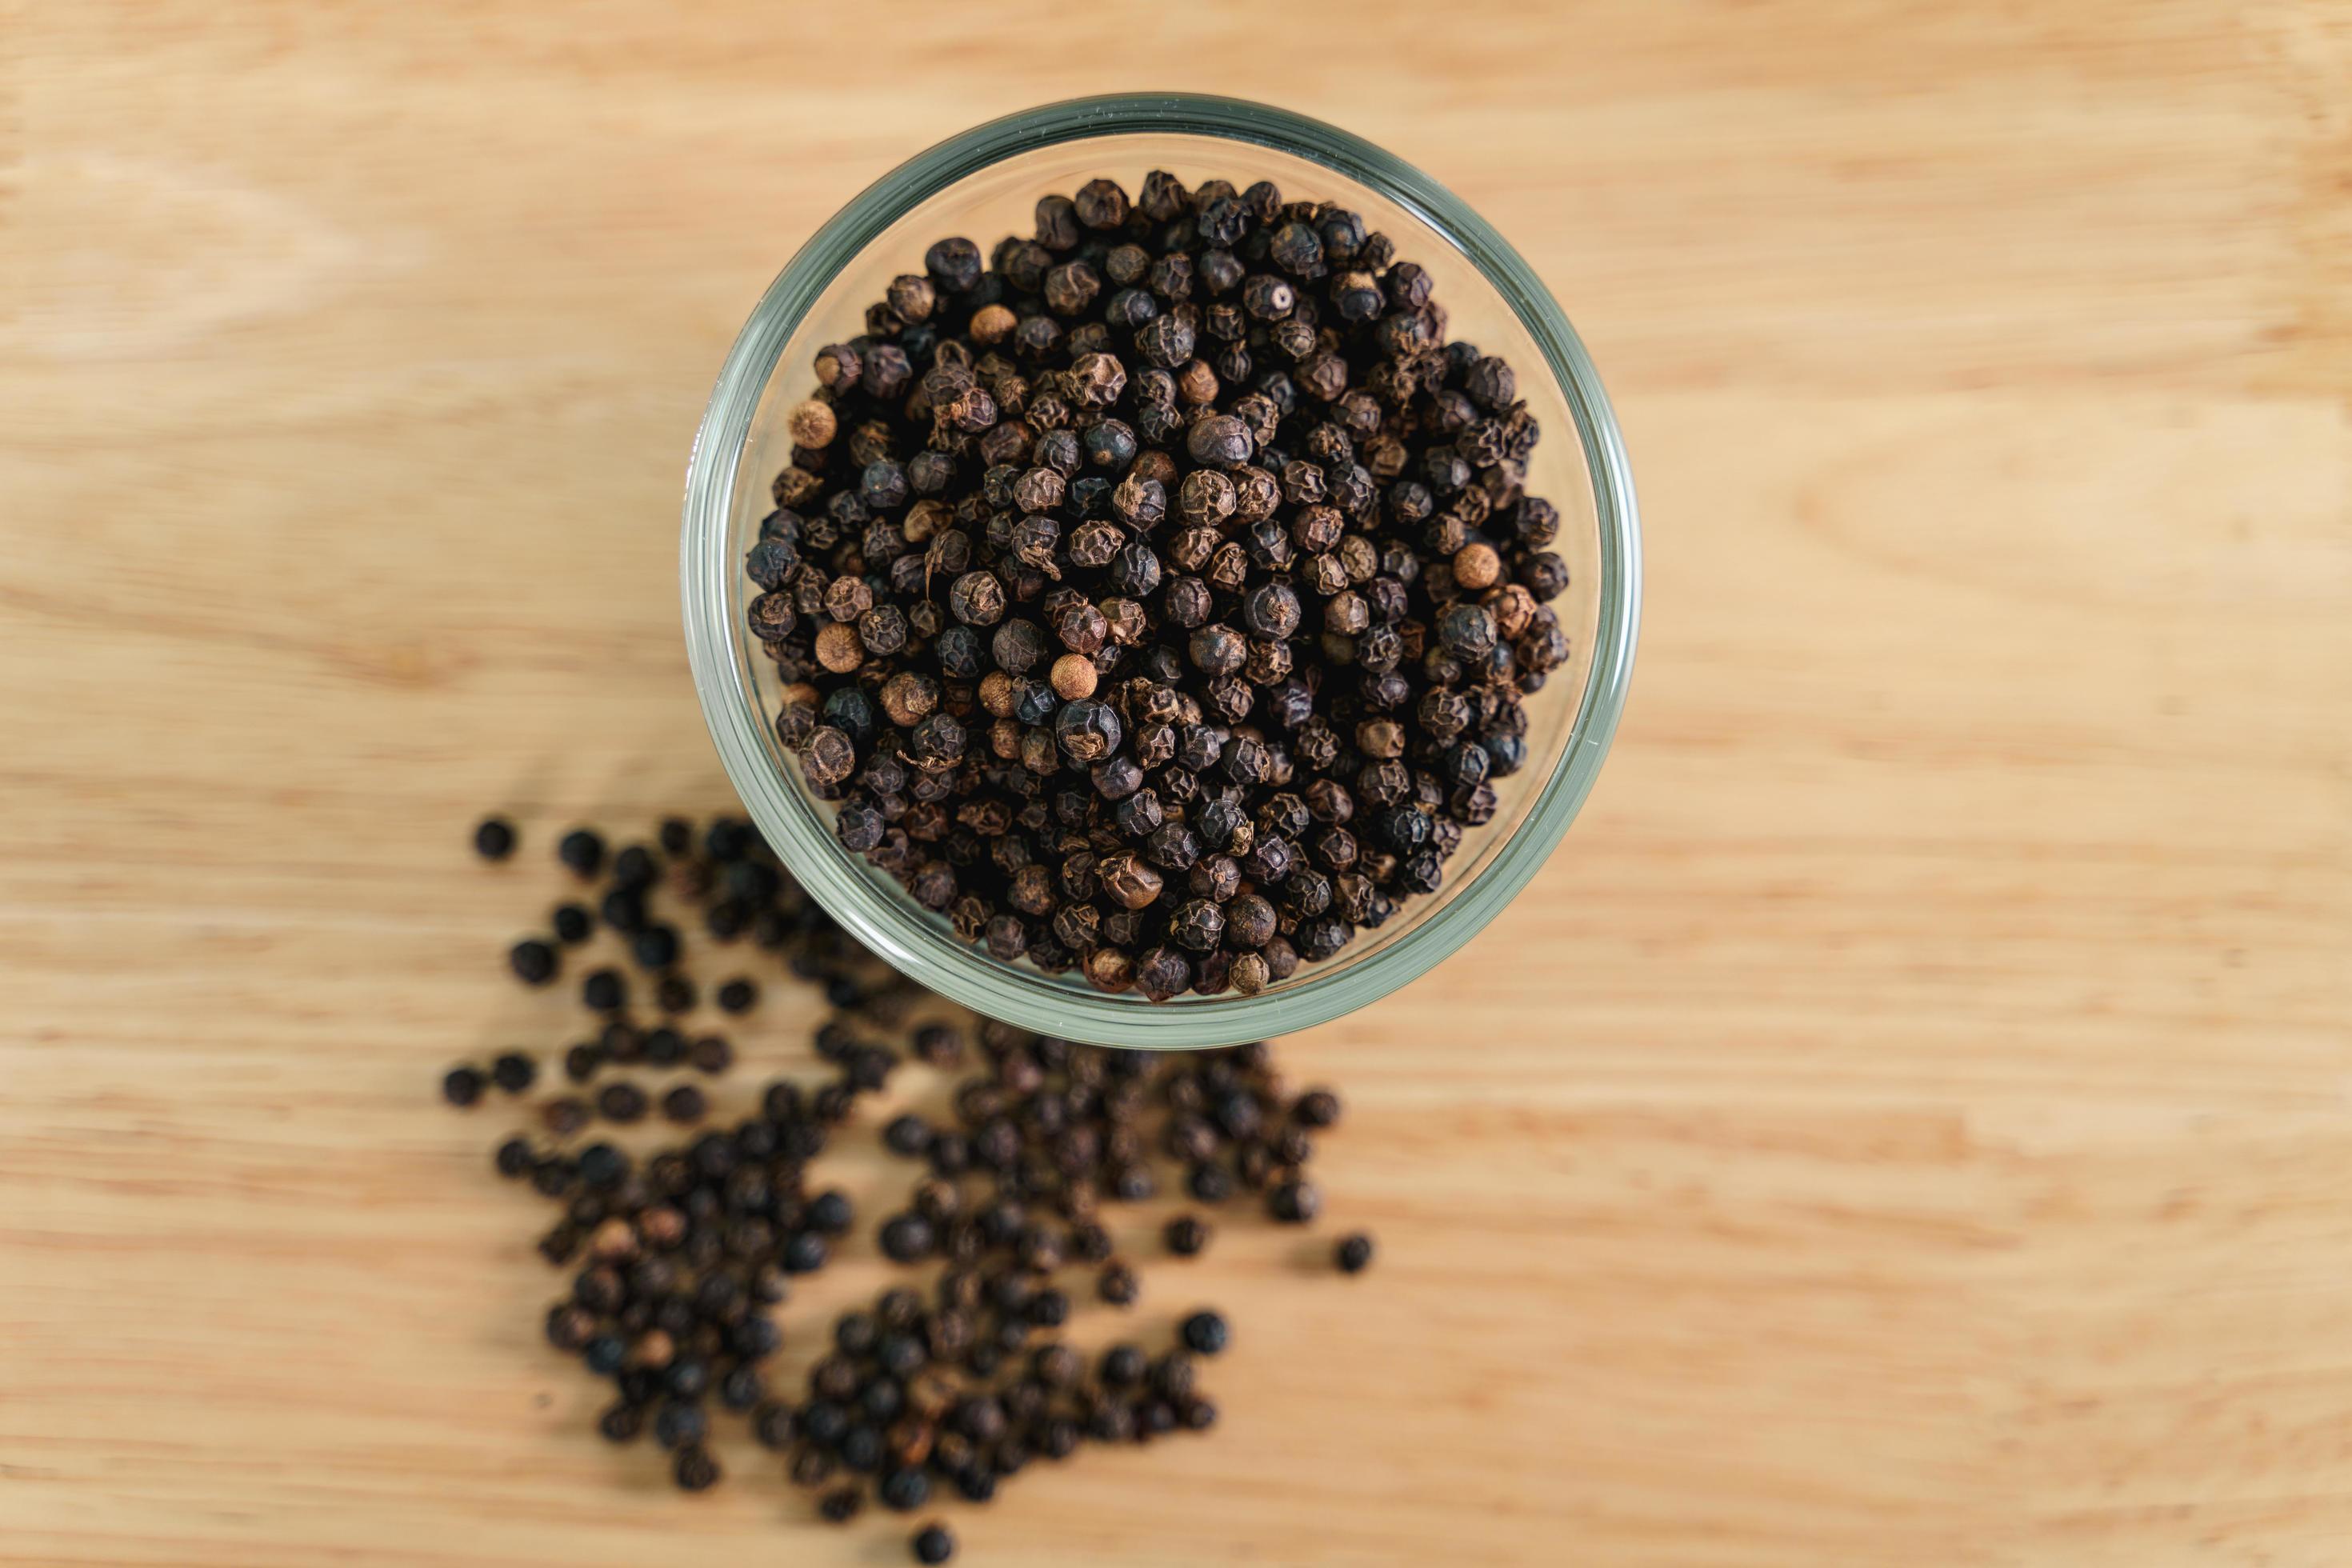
1910,1121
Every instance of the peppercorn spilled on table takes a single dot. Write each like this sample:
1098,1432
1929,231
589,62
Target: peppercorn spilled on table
1905,1122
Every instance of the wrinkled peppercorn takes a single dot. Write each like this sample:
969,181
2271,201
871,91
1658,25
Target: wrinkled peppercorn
462,1086
1204,1333
533,961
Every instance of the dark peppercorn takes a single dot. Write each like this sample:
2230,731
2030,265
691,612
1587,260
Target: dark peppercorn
831,1212
683,1105
903,1491
695,1470
841,1505
772,1426
1187,1235
680,1423
462,1086
582,850
514,1158
907,1238
933,1544
574,925
533,961
654,947
737,996
663,1046
495,838
1119,1285
675,994
605,991
1353,1254
1294,1203
1204,1333
623,1102
1122,1366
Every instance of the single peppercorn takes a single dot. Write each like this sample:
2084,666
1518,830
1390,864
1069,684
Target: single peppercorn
1187,1235
694,1470
1294,1203
533,961
583,850
462,1086
605,991
1119,1285
1353,1254
933,1544
1204,1333
737,996
514,1072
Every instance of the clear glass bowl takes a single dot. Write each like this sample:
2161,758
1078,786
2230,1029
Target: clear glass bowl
984,185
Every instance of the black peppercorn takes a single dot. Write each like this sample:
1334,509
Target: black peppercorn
1119,1285
694,1470
462,1086
605,991
904,1490
933,1543
533,961
1204,1333
1294,1203
582,850
1187,1235
495,838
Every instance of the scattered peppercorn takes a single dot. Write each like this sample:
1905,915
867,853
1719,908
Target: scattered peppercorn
1353,1254
933,1544
605,991
694,1470
1204,1333
1187,1235
737,996
582,850
574,925
682,1252
462,1086
533,961
495,838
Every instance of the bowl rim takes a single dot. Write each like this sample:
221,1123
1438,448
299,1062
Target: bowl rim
911,939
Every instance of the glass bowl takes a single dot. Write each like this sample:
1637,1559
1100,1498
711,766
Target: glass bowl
983,183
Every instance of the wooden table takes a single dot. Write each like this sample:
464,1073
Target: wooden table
1909,1122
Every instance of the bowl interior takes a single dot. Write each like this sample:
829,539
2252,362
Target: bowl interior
985,205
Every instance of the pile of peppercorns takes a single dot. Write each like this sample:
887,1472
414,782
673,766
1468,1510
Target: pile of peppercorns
1158,599
680,1256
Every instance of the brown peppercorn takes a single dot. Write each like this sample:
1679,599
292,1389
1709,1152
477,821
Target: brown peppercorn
992,324
1073,676
1478,566
811,424
1127,878
838,648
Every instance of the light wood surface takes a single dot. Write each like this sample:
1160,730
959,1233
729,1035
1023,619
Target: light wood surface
1909,1122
